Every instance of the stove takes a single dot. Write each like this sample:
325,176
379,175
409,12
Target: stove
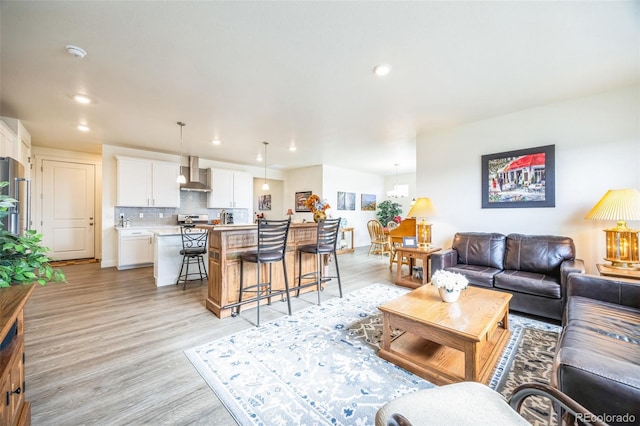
193,219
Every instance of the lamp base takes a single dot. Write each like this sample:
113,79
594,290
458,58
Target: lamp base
629,266
423,232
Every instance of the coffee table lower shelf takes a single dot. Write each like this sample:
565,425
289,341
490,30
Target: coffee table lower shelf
441,364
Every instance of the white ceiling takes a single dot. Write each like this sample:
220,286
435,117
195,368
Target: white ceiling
300,72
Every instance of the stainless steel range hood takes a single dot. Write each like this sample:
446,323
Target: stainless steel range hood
194,183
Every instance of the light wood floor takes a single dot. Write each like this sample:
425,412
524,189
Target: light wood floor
107,347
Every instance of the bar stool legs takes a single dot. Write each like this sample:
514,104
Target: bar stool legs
324,246
272,237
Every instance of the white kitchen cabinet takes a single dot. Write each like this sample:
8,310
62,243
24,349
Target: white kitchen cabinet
230,189
147,183
135,248
20,148
8,142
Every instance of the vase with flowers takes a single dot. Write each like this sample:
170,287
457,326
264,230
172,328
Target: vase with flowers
449,284
317,206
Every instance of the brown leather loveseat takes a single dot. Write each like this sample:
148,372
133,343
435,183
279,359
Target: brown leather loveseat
533,268
597,362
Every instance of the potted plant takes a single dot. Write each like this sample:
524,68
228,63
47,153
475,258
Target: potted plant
23,259
449,284
387,211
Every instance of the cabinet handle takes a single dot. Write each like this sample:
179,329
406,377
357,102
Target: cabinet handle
9,393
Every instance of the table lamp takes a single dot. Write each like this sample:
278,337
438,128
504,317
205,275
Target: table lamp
289,213
422,208
621,242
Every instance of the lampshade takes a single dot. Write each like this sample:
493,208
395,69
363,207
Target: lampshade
617,204
289,212
422,208
622,243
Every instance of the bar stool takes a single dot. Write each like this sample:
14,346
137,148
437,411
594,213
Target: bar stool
194,249
325,245
272,244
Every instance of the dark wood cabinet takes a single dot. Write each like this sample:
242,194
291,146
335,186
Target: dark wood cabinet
14,408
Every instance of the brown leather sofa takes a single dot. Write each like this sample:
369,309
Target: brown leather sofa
533,268
597,362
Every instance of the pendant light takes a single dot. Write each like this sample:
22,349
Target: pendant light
395,193
181,179
265,185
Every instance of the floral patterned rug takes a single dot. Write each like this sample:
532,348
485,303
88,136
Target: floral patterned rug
319,366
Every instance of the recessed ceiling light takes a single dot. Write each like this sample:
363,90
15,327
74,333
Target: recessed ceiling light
216,141
292,148
83,128
382,69
259,157
82,99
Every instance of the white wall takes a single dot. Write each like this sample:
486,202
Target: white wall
403,179
301,180
345,180
278,210
597,147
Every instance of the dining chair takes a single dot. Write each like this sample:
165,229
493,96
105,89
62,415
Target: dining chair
379,240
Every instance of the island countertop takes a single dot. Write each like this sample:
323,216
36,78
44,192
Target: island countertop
228,242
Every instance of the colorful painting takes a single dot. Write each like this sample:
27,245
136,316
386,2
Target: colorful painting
301,197
368,202
346,200
523,178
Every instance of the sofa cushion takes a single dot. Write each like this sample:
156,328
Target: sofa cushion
617,322
479,248
599,372
529,283
477,275
538,253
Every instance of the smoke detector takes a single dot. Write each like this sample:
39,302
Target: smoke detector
75,51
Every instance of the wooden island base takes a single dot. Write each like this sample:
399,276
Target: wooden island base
446,342
228,242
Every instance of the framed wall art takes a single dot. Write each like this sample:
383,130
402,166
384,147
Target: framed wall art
522,178
301,197
368,202
264,202
346,200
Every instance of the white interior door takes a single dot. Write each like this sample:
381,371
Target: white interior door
68,217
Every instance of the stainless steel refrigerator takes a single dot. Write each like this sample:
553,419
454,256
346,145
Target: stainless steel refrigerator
18,218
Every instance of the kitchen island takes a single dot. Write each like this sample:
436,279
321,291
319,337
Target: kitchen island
167,257
227,242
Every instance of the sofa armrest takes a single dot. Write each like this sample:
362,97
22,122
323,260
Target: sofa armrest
620,291
443,259
569,267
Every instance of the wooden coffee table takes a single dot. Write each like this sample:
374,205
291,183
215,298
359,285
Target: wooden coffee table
446,342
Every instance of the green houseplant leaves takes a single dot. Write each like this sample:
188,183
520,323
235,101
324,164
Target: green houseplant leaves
23,259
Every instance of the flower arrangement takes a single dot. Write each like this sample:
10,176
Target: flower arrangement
449,281
397,219
315,204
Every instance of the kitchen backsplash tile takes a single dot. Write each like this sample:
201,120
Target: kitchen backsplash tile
190,203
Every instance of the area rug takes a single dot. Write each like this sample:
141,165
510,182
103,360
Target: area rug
319,366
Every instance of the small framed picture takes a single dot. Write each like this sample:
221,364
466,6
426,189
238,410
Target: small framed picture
409,242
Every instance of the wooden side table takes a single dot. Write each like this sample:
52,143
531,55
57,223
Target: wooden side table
413,254
349,248
607,270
